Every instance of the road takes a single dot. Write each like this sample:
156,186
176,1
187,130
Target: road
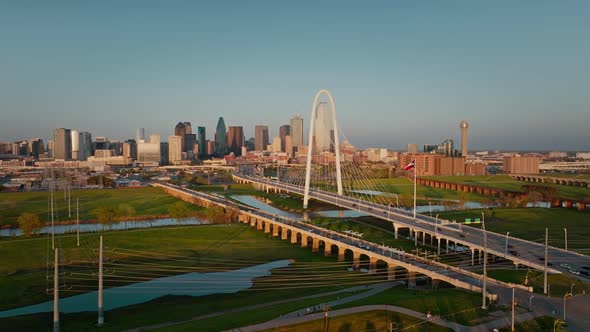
527,252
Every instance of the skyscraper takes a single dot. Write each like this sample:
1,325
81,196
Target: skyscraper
261,138
202,139
62,144
296,131
75,144
85,148
235,139
220,138
188,129
139,135
464,125
174,149
180,131
322,128
284,131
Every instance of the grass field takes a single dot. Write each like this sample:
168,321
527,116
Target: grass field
174,250
404,187
530,224
367,321
452,304
148,201
559,284
507,183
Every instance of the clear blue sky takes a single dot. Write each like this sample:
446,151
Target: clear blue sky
400,72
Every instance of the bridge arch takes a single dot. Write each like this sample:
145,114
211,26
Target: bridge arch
310,143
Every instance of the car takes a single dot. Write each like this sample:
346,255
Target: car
575,272
514,253
565,266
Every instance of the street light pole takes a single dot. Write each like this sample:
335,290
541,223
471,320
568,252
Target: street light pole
506,247
485,259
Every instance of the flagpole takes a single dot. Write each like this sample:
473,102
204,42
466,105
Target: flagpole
415,170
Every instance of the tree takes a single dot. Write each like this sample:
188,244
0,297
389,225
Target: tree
105,215
30,224
534,197
179,211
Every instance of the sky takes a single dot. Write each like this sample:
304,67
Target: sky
400,72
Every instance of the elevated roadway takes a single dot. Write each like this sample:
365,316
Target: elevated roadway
520,252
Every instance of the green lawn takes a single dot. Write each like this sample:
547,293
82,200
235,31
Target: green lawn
148,201
404,187
175,250
453,304
559,284
530,224
507,183
369,321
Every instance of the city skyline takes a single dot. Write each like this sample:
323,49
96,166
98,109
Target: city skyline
400,73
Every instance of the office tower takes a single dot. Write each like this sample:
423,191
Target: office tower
210,147
180,131
412,148
235,139
148,153
261,138
164,153
202,139
220,138
190,140
100,143
75,144
296,131
50,148
288,145
322,128
130,149
464,125
276,145
85,148
284,131
62,144
139,135
188,128
174,149
448,148
36,147
20,148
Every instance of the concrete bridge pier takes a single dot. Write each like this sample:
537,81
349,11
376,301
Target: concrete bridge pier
390,272
327,249
293,237
423,238
252,222
372,265
284,234
438,245
275,230
356,261
266,227
303,241
341,256
411,279
447,245
472,256
315,245
479,256
395,228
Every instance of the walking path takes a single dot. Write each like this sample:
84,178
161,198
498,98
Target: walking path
366,290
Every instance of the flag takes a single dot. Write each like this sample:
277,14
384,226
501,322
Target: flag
411,165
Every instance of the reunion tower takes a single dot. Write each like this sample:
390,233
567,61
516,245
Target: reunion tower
464,125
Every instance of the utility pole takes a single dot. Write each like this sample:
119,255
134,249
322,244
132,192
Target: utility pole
326,308
485,260
52,221
55,293
415,171
100,304
545,265
513,307
78,220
